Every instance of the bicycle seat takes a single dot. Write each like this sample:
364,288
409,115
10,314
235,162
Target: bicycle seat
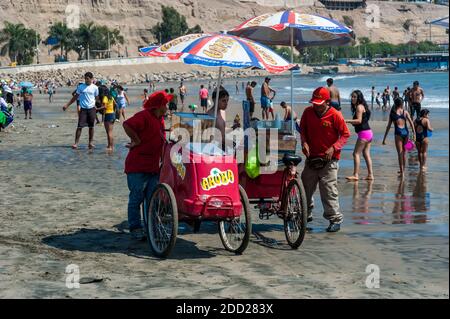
289,159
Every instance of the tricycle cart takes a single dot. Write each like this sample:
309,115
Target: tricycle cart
203,188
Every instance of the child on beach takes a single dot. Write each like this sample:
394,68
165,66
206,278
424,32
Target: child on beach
360,121
108,106
122,102
423,132
399,116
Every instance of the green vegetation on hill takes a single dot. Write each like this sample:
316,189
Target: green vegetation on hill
365,48
173,25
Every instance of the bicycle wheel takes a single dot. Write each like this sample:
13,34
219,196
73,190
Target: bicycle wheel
235,233
162,221
295,216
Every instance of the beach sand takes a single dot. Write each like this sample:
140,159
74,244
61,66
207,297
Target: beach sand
62,207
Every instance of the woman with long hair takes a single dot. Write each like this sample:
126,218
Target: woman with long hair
361,115
399,116
109,106
423,129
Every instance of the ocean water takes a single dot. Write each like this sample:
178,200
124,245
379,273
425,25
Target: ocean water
435,85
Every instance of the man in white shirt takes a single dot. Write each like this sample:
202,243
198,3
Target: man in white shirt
87,94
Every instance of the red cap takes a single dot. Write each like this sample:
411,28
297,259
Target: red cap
320,96
157,100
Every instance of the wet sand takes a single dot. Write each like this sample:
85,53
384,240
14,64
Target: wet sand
61,207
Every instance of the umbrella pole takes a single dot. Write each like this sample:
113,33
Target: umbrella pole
216,102
292,81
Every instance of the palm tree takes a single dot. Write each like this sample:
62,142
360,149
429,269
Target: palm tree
13,37
18,42
86,36
65,38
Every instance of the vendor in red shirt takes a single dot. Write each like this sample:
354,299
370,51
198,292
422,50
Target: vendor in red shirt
146,131
323,135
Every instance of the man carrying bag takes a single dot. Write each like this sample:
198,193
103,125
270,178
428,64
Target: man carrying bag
323,135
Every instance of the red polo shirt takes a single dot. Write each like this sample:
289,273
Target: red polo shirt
323,132
145,157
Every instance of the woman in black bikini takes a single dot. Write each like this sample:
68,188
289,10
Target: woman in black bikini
399,116
423,132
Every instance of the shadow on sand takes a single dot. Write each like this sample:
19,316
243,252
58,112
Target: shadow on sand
106,241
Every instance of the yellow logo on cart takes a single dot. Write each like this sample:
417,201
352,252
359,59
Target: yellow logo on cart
217,178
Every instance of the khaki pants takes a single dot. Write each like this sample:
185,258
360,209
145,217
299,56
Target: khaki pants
327,180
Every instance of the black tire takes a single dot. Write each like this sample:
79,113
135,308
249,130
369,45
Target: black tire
241,227
162,221
295,214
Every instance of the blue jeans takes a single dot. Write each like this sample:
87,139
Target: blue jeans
140,185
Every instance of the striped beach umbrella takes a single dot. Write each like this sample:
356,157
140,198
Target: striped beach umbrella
221,50
290,28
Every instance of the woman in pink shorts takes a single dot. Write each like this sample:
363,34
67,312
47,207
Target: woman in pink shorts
360,121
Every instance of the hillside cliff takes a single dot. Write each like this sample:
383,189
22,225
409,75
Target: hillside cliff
135,17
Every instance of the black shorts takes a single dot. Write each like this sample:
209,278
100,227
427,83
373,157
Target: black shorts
27,105
204,102
86,118
172,106
252,106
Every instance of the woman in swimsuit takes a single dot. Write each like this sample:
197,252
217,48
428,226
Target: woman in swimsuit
361,116
399,116
423,132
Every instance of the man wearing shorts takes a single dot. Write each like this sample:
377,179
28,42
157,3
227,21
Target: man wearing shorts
87,94
182,92
250,98
265,98
416,96
203,94
27,95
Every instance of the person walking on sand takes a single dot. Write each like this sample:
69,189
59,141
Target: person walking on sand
50,92
87,93
173,104
265,98
323,135
182,91
27,96
203,95
109,105
415,98
423,129
361,115
399,116
334,94
146,131
122,102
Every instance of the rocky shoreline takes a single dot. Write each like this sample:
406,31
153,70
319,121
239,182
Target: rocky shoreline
159,73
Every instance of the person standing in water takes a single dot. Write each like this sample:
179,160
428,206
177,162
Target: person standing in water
109,106
423,129
182,91
360,121
416,96
87,93
399,116
334,94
